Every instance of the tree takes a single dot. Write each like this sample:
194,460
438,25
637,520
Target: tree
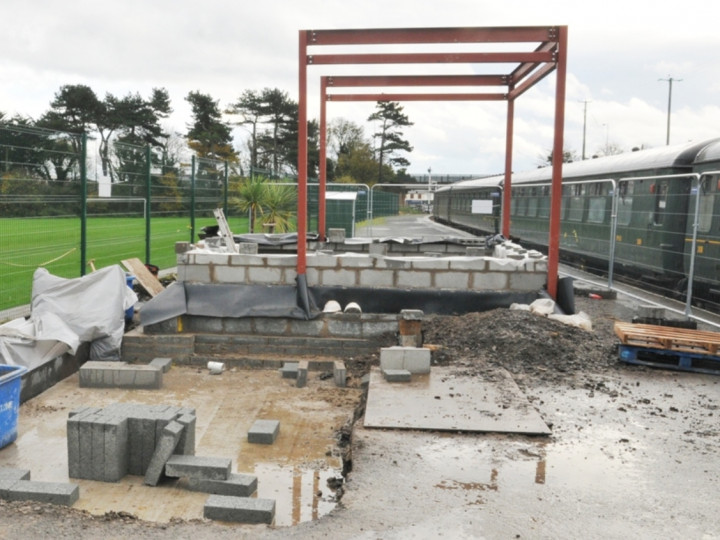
208,135
390,118
568,157
280,114
344,135
250,109
360,165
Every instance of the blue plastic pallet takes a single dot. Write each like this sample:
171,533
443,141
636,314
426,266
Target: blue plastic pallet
668,359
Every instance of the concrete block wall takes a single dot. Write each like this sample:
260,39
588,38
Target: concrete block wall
511,268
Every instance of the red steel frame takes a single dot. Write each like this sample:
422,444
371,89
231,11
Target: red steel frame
530,67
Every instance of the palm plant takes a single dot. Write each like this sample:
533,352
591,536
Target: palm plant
280,206
250,198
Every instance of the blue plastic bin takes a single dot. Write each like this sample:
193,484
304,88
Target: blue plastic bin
9,402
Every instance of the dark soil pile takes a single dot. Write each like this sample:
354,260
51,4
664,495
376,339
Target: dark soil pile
521,342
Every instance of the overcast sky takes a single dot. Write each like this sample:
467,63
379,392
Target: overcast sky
618,52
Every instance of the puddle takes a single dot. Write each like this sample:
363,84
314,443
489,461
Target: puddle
300,494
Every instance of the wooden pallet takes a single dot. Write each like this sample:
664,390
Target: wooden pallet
676,360
649,336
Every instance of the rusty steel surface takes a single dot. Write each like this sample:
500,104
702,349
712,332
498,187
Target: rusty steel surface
528,68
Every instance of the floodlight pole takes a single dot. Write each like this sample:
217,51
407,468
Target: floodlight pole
669,107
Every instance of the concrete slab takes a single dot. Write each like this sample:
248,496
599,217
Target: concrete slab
225,408
166,446
446,401
203,467
49,492
238,485
397,375
239,509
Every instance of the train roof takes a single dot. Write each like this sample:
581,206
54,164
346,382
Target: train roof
710,152
617,166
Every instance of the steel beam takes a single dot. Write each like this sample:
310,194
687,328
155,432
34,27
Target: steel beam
431,58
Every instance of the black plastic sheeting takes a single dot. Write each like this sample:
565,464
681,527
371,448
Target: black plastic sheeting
441,302
303,302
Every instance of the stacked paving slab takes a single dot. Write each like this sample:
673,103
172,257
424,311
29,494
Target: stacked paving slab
107,444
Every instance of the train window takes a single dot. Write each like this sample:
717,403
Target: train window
661,193
513,202
544,202
532,208
575,209
706,206
523,202
625,198
596,210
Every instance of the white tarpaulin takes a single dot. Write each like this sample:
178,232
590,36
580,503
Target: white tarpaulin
67,312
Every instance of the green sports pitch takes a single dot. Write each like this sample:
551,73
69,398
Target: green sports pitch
54,243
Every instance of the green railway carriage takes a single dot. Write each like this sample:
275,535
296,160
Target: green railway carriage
653,189
706,197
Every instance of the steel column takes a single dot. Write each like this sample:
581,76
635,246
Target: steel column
557,162
322,181
302,157
507,185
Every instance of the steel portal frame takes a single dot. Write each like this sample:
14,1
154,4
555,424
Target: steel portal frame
527,69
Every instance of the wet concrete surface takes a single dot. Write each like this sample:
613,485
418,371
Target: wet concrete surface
293,471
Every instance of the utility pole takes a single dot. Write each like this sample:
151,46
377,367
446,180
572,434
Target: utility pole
670,82
584,125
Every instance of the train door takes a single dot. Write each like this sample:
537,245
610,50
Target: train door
666,232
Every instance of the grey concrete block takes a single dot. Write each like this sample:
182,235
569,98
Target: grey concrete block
336,235
392,357
396,375
238,485
9,477
163,451
264,431
186,444
412,314
162,363
289,370
48,492
239,509
115,442
339,373
73,439
96,374
207,468
302,374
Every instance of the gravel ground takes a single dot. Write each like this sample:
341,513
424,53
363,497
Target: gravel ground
633,451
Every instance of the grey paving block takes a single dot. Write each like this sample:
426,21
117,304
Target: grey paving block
49,492
264,431
115,462
163,363
186,444
238,485
163,450
396,375
239,509
339,373
302,374
10,476
201,467
289,370
96,374
75,455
